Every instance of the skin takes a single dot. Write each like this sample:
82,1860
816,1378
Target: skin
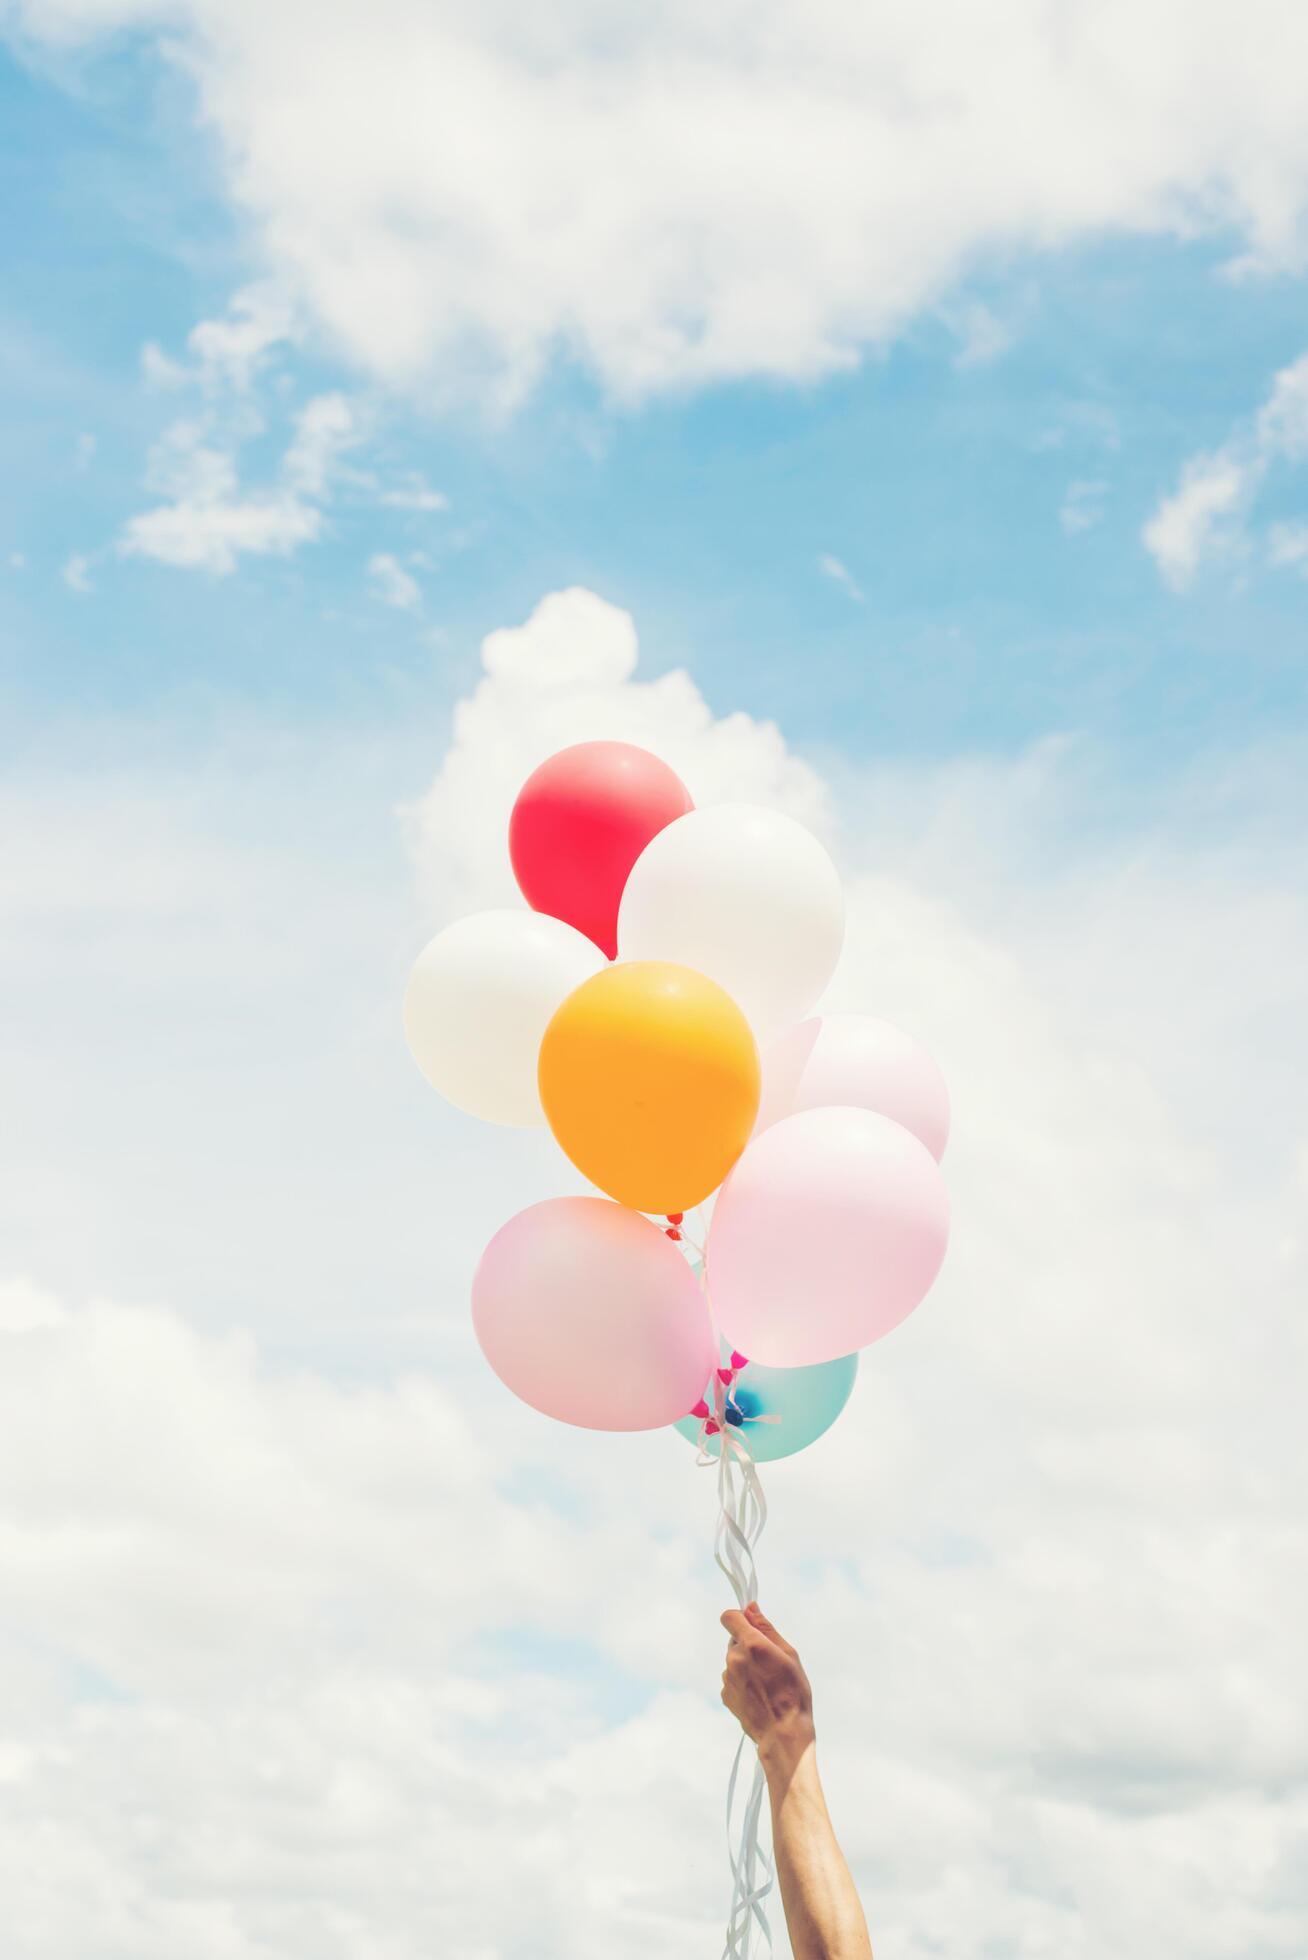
765,1687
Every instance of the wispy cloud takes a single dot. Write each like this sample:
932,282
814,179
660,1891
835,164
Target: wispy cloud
1203,517
1287,544
1083,505
76,573
982,336
209,521
211,517
839,574
414,494
392,584
230,351
1187,526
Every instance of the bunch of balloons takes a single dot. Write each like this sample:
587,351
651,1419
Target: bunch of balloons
654,1008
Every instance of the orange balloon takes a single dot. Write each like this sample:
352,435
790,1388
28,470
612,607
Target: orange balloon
649,1076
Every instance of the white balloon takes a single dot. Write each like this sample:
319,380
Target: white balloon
479,1000
748,897
856,1061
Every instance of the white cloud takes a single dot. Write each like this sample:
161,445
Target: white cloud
392,584
1188,526
210,536
77,573
1203,515
415,494
840,575
674,200
1283,418
301,1662
228,352
1288,545
159,370
209,522
1083,505
567,676
325,427
982,335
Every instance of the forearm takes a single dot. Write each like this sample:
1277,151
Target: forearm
823,1913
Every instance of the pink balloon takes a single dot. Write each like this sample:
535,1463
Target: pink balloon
828,1232
586,1311
855,1060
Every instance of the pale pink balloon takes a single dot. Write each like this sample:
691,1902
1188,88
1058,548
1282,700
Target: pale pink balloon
586,1311
856,1060
828,1232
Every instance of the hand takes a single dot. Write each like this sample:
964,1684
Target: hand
765,1686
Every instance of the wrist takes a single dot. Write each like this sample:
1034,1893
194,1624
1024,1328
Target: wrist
784,1746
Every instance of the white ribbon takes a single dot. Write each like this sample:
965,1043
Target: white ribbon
742,1514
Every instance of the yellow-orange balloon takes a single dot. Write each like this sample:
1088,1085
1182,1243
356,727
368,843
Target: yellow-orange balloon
649,1076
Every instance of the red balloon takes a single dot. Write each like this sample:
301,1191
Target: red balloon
579,824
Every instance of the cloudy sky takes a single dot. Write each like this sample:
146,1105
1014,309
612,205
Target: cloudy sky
899,415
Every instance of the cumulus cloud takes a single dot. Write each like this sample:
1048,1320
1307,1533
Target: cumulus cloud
672,200
304,1662
567,675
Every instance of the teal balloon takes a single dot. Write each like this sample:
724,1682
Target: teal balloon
808,1400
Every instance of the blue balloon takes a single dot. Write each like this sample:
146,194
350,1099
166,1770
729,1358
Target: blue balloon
808,1400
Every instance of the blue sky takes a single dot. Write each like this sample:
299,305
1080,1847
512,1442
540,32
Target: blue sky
935,477
928,389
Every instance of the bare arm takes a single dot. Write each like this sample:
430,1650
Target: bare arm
765,1687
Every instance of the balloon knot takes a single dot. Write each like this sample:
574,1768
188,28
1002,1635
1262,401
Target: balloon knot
710,1427
672,1232
701,1409
738,1360
726,1376
674,1217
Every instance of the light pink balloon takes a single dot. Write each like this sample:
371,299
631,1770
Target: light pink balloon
827,1234
856,1060
586,1311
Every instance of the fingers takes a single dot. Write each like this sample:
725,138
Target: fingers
758,1619
736,1623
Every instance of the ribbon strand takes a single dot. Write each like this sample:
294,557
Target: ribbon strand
742,1514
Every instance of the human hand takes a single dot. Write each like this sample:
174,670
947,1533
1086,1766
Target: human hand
765,1686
